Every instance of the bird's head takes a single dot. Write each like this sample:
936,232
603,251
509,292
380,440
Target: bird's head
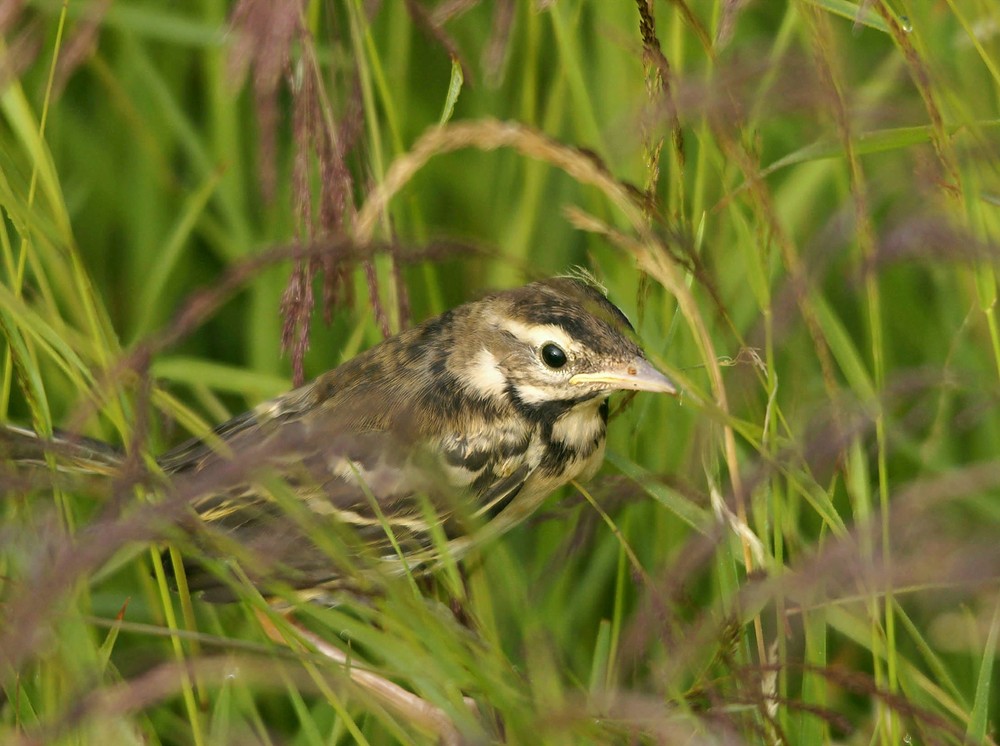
556,341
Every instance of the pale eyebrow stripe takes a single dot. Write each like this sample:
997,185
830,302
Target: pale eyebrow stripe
540,334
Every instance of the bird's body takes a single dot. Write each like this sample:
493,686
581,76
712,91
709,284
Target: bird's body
455,428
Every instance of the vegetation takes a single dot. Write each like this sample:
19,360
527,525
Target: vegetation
796,203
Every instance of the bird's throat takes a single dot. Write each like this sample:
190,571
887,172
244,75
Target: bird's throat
574,440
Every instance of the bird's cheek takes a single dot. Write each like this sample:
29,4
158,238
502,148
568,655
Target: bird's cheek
487,375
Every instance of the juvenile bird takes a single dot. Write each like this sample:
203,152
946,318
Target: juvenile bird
456,428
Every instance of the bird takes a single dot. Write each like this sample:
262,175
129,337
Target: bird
432,441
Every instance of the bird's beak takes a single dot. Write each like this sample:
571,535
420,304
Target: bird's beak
637,375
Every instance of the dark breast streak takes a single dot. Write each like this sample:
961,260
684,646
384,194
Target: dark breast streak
560,455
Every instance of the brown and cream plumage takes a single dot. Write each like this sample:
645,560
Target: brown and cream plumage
458,427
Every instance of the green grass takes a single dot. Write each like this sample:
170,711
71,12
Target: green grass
799,210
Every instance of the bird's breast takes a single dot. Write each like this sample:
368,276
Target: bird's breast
475,457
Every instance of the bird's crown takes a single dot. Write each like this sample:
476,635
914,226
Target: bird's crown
555,340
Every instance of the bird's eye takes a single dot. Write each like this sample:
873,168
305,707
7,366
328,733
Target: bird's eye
553,355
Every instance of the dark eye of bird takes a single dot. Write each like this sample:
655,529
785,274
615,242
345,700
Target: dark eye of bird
553,355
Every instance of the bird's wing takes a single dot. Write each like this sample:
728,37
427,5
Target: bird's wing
501,493
195,452
309,475
344,465
326,517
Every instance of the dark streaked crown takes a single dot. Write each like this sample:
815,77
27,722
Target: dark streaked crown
567,301
580,309
554,341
